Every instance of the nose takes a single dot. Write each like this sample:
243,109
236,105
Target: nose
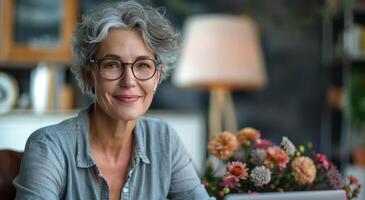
127,80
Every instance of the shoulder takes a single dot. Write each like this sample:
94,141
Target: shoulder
158,134
55,134
155,127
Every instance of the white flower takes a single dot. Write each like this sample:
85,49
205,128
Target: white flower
260,175
287,146
258,156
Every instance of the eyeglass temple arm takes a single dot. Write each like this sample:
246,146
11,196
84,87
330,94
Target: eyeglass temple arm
91,60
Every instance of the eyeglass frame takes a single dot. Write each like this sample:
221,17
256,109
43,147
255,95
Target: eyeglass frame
156,61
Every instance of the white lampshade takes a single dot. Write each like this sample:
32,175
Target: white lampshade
220,51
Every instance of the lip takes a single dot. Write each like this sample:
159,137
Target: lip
127,98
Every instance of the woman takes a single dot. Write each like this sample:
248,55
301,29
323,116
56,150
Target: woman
110,151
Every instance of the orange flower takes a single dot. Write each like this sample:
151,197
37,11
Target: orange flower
276,155
304,170
248,134
223,145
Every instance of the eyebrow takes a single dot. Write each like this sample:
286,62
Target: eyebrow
120,58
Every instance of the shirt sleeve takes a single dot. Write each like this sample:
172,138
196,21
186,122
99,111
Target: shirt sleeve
185,183
41,173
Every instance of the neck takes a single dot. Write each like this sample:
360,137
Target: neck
111,137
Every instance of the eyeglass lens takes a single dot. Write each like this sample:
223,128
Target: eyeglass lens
113,69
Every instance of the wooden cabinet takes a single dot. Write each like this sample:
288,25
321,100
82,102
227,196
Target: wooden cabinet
32,31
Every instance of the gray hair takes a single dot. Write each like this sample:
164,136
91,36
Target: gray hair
157,33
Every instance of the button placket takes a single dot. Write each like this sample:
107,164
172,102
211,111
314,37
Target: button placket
105,189
125,190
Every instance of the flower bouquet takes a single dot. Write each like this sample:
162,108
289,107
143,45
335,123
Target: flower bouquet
252,164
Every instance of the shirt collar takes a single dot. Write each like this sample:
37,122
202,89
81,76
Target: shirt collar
83,150
140,138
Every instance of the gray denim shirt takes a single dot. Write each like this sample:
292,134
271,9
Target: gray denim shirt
58,164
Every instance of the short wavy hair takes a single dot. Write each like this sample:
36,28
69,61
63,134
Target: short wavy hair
157,32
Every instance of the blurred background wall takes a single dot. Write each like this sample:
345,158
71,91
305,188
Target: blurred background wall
300,42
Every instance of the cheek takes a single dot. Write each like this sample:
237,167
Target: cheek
104,90
149,89
155,83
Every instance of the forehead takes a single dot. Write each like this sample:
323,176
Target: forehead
125,43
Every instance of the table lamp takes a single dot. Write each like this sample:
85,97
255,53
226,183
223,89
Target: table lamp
221,53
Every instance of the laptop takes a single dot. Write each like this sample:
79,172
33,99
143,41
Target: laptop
307,195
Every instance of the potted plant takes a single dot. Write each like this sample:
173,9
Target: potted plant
252,164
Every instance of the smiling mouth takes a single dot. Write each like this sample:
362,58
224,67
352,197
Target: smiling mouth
127,98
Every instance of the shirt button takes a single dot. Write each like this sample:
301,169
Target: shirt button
125,190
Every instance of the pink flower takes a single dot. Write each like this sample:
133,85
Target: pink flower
230,181
238,170
322,159
278,156
262,144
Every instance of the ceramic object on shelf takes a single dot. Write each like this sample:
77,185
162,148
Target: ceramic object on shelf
40,87
8,92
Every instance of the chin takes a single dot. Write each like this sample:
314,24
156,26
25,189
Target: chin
128,115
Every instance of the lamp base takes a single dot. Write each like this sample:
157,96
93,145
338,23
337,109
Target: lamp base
221,112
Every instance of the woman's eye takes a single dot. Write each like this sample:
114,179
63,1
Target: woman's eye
111,65
144,66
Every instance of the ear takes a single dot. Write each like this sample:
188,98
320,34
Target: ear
162,66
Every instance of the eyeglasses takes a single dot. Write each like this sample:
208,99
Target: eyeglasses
113,68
